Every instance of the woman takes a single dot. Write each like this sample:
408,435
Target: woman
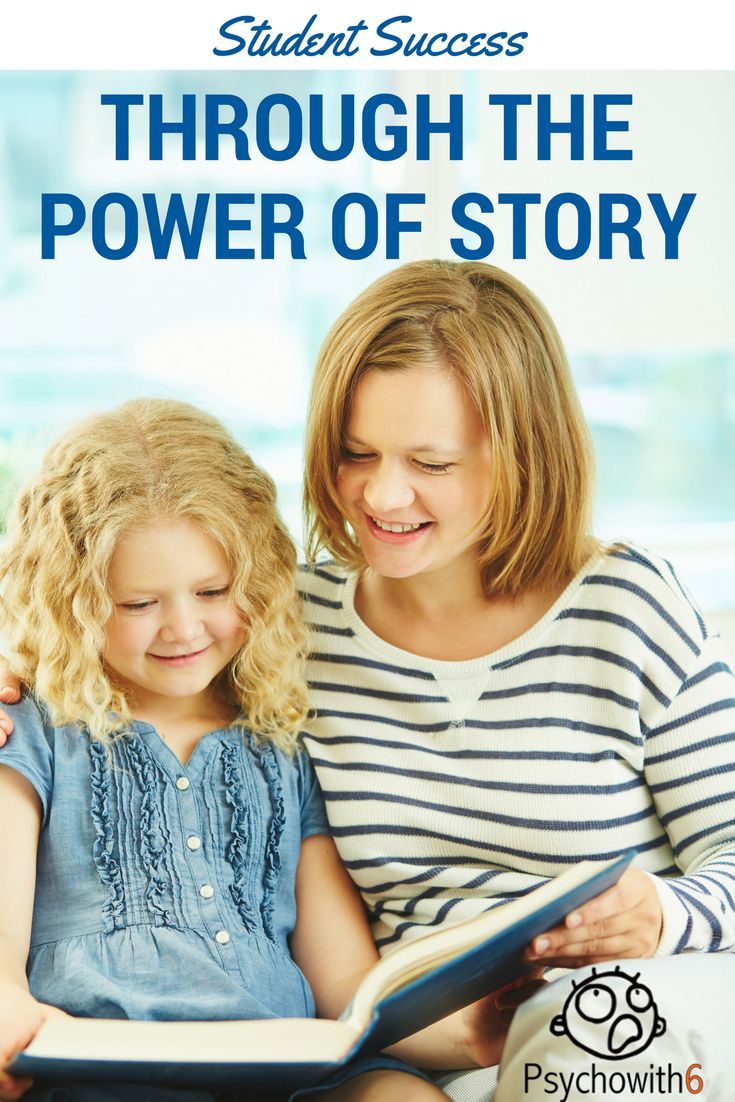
496,694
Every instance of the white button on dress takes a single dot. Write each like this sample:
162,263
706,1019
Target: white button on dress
206,891
182,783
222,937
193,842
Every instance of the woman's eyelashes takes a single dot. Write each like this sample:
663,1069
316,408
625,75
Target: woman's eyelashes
367,457
357,457
433,468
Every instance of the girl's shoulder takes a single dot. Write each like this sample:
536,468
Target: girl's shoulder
31,718
292,784
263,754
36,739
31,749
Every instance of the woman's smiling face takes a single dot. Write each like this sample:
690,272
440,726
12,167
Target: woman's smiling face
414,481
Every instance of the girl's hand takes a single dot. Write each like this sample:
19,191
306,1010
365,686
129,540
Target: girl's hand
625,921
20,1019
486,1022
9,694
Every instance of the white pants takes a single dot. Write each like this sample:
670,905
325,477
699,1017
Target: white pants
635,1035
639,1038
470,1086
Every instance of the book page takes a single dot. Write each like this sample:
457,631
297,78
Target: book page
274,1041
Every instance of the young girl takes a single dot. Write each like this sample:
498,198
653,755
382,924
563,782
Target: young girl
176,843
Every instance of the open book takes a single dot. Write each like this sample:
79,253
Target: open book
417,984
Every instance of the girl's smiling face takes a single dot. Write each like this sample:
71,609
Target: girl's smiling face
414,481
174,627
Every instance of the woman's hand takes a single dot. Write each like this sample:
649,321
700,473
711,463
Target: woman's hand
20,1019
625,921
486,1022
9,694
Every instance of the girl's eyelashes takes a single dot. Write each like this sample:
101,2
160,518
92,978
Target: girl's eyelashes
208,594
212,594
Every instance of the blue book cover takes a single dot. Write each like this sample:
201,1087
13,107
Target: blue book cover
416,985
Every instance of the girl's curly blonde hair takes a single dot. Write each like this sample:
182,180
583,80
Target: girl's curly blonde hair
149,459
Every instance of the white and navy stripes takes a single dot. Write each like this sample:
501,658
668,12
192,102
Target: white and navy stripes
610,725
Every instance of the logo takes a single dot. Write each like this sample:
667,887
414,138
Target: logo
610,1014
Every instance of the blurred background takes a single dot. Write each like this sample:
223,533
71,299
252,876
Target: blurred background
651,342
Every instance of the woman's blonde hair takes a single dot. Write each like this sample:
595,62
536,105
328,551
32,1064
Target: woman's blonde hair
493,335
148,460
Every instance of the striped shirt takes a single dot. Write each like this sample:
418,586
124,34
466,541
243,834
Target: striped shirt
452,787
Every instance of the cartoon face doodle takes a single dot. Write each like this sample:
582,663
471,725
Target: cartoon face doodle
610,1014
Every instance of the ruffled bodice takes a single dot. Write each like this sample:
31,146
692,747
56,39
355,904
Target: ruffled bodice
163,890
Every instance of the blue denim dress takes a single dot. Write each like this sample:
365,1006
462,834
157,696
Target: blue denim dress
164,891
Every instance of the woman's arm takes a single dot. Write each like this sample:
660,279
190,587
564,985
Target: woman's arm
20,1013
689,768
334,948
